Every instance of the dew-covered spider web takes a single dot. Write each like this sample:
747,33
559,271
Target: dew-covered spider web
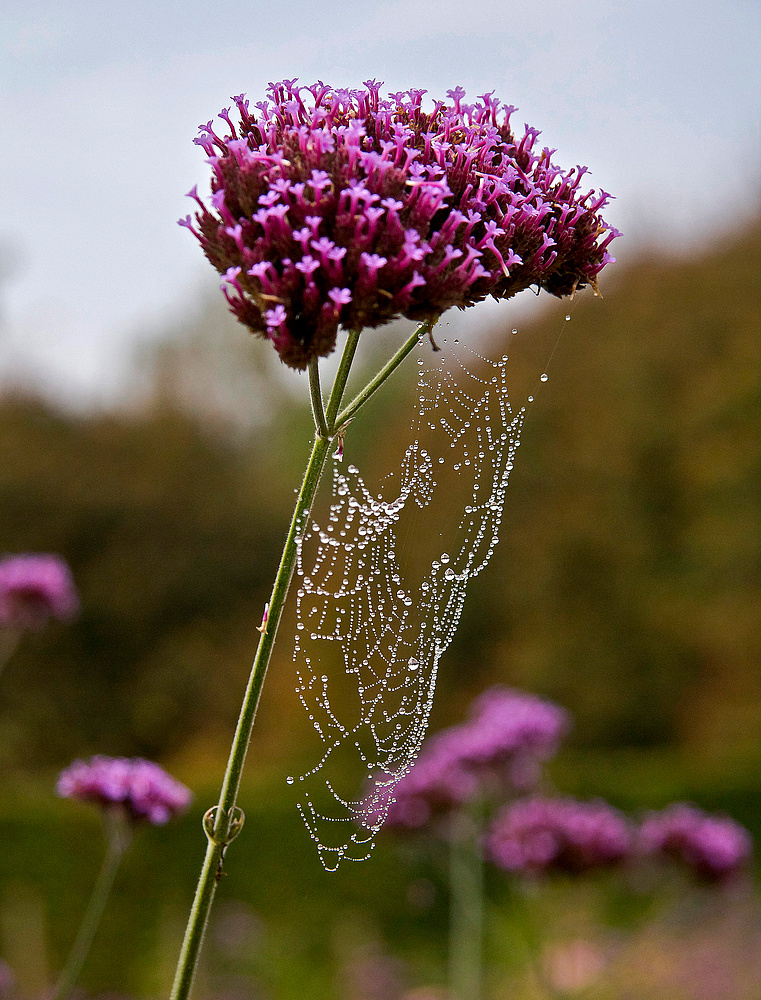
381,588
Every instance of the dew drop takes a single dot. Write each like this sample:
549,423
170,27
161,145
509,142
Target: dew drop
568,317
362,593
543,377
515,330
290,779
531,399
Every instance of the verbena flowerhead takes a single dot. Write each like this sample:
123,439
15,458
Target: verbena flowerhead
558,834
142,789
513,730
713,847
500,747
333,207
33,589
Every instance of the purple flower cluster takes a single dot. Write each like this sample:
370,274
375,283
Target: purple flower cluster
334,207
33,589
502,744
141,788
713,847
558,834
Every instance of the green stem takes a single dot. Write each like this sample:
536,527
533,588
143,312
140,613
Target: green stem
374,384
340,383
316,396
224,822
118,840
465,908
218,839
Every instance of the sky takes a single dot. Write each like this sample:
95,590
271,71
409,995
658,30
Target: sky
101,102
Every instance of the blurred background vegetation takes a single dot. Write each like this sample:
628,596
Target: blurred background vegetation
627,586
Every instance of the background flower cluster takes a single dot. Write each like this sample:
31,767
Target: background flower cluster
493,761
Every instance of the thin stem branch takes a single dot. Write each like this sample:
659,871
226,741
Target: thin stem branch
315,393
340,383
118,840
375,383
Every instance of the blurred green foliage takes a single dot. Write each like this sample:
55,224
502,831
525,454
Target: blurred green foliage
627,586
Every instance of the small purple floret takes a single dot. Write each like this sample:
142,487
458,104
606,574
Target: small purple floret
33,589
713,847
558,834
407,211
141,788
501,746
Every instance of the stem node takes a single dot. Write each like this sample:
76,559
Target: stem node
225,829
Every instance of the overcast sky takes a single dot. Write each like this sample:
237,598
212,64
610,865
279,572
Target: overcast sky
100,104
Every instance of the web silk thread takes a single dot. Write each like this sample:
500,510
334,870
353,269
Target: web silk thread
391,631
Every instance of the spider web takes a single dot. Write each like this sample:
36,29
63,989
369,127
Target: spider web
370,636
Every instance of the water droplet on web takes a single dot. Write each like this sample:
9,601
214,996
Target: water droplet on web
290,779
568,317
365,614
543,377
514,330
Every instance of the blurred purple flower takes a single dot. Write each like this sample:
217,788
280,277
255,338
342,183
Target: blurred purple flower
334,207
713,847
141,788
7,979
558,834
512,728
33,589
501,746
